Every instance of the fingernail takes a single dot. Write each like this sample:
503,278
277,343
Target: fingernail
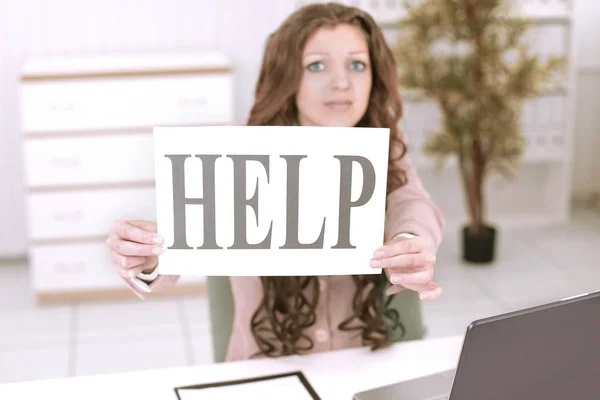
132,274
157,239
378,253
423,295
157,250
396,280
375,263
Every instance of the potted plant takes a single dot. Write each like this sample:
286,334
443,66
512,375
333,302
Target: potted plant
470,57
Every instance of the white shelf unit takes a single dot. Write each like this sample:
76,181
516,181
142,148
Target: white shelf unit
88,151
541,192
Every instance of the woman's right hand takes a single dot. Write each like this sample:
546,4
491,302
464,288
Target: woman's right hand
134,247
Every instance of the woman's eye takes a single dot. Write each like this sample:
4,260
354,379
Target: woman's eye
358,65
316,66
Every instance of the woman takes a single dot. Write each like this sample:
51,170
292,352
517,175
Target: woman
326,65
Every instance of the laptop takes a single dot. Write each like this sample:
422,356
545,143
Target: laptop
549,352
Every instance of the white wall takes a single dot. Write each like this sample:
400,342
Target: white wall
586,166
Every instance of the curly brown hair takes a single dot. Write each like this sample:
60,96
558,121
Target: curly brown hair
289,302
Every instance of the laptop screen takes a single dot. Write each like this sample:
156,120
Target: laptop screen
551,352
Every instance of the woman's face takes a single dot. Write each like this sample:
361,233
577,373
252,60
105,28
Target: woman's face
336,79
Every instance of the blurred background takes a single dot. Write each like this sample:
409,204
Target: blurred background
82,83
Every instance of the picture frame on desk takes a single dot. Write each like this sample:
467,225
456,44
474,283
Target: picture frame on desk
309,393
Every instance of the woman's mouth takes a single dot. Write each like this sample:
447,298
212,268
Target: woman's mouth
338,105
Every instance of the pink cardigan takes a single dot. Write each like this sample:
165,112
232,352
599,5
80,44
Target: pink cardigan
409,209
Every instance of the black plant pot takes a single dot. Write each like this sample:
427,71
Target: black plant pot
479,248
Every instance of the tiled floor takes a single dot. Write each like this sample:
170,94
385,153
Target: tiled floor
39,342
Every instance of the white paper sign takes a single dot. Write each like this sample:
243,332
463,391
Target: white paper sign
260,201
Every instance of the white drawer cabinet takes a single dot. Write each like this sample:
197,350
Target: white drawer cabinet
87,268
84,214
88,151
89,160
112,103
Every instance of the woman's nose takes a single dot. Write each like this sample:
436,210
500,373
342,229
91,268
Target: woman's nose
340,80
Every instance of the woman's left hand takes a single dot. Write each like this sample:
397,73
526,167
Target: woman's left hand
409,262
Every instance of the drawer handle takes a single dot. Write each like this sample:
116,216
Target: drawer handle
63,216
75,268
192,101
67,162
54,107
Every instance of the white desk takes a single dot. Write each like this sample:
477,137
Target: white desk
333,375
